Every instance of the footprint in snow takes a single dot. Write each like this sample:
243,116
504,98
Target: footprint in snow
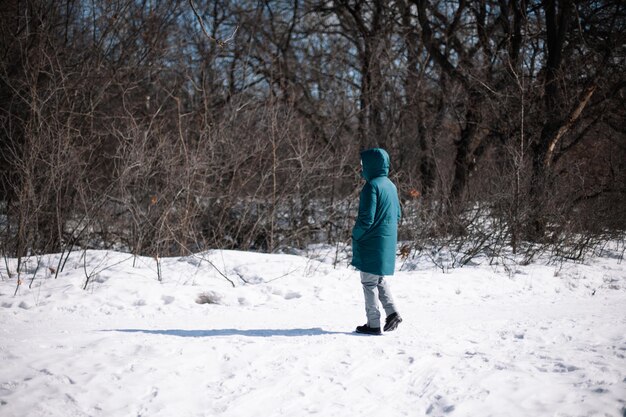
440,405
292,294
148,398
561,368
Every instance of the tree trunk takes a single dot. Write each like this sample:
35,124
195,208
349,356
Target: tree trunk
464,151
556,27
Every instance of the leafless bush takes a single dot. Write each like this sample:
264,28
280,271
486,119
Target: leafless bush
130,125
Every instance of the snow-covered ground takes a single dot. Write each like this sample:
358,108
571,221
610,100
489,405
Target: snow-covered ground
537,340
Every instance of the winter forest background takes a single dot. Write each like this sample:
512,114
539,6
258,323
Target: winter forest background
168,127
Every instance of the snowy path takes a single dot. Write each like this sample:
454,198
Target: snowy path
474,343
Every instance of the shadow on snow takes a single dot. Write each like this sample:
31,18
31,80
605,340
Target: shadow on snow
234,332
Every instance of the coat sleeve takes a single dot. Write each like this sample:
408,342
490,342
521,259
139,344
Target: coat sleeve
367,212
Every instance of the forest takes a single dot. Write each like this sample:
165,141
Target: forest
163,128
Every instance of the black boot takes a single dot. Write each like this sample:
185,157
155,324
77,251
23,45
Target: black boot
365,329
392,321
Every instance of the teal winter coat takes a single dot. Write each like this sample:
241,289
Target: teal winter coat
375,233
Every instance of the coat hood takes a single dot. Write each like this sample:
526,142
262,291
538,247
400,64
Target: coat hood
375,163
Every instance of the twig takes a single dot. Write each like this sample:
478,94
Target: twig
282,276
35,273
208,261
220,43
94,271
158,264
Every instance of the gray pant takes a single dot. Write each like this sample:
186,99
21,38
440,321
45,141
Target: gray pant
375,286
